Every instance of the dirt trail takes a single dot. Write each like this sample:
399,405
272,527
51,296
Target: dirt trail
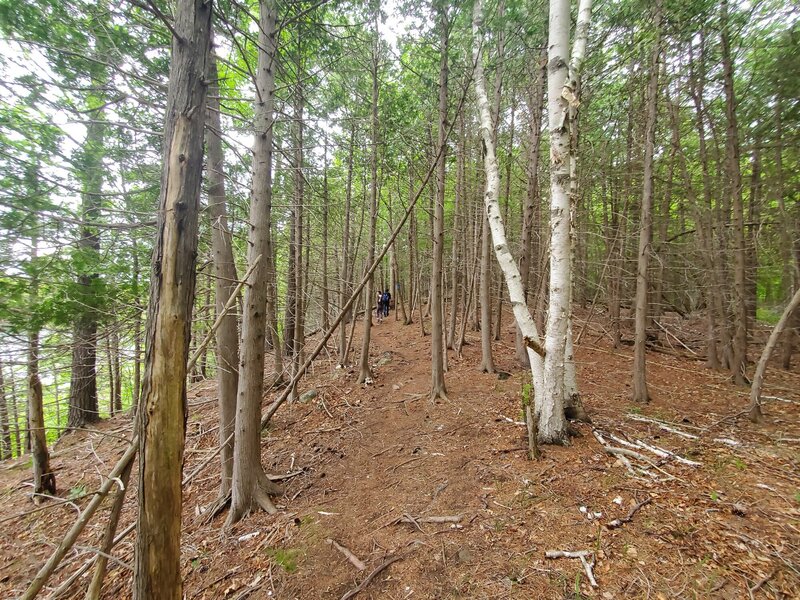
373,455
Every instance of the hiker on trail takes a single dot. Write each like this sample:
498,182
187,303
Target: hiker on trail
379,307
386,298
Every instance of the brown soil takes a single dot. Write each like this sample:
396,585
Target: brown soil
373,455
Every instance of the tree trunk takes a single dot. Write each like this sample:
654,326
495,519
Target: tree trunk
458,204
344,279
364,368
532,196
412,254
438,388
498,324
44,480
552,425
716,311
162,420
6,450
83,408
298,185
640,392
227,334
326,320
137,333
250,486
739,364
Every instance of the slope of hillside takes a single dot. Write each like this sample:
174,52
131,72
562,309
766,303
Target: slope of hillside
441,501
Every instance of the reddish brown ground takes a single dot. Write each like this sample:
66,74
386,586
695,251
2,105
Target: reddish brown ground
372,455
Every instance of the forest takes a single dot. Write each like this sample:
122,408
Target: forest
337,298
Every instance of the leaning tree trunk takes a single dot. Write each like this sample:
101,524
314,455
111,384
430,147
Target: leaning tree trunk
438,388
758,378
492,203
227,334
250,487
162,418
640,393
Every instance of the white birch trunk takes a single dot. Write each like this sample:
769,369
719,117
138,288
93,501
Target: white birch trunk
491,199
561,93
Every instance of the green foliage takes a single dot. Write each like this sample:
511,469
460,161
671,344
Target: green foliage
286,558
76,492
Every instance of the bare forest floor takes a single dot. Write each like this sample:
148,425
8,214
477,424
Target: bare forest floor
728,528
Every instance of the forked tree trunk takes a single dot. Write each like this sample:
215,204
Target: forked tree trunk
491,201
758,379
562,92
640,393
162,418
227,334
250,487
438,388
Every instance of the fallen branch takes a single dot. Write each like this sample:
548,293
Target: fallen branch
616,523
661,452
72,535
688,436
582,555
368,579
624,452
407,518
623,459
354,560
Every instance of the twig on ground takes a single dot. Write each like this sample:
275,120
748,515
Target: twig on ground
285,477
368,579
402,464
627,519
354,560
588,565
407,518
762,581
510,420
